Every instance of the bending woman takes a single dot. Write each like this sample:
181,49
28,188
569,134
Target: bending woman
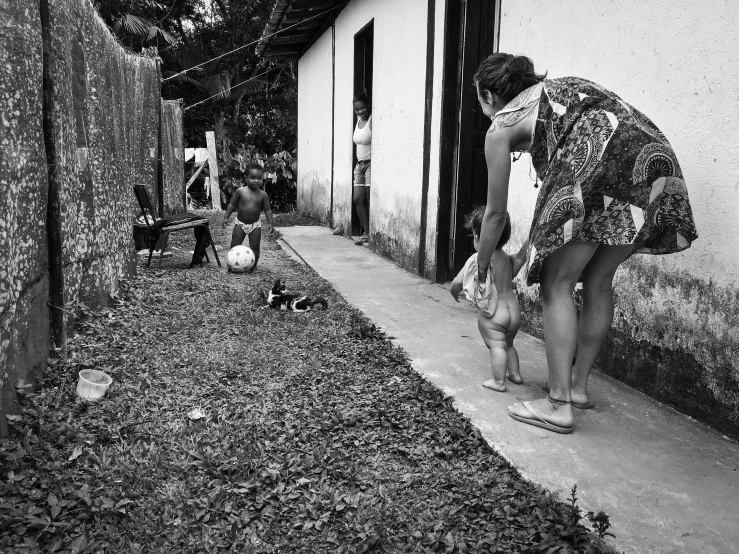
363,170
611,186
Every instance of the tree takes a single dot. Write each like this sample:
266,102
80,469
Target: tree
208,60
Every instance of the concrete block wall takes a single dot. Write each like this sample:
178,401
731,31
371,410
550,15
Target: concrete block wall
106,112
24,281
173,157
95,139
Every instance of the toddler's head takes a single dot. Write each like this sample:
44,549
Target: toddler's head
473,223
254,175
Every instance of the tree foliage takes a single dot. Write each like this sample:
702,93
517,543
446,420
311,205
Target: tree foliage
208,60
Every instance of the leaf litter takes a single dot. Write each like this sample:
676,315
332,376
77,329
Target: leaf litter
319,436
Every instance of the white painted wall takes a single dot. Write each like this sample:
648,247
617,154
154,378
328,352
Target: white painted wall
314,129
676,61
399,81
399,89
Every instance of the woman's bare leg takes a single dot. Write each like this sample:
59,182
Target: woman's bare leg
596,317
360,201
513,374
559,274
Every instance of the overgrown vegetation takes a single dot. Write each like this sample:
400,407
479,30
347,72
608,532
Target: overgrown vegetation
317,437
250,104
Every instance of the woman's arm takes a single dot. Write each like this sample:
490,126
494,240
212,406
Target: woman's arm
498,158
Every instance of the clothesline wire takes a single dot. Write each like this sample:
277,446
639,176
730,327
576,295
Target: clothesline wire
229,89
253,42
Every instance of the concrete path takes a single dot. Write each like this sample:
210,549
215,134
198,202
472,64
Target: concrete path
669,483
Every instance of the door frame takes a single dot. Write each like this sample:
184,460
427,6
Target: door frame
361,81
456,75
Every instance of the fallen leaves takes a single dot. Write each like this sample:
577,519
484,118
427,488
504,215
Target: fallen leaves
232,427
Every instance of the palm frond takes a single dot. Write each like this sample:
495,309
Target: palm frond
154,31
248,86
182,78
134,24
218,85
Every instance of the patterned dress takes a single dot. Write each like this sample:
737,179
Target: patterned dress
608,174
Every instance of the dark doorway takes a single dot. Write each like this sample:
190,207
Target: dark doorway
363,55
471,36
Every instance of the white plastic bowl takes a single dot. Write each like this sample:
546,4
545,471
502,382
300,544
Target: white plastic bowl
93,384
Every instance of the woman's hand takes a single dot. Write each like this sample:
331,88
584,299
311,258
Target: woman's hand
519,260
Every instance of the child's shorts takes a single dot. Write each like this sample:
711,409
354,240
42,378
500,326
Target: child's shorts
363,173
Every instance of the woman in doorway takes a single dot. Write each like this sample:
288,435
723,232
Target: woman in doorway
363,168
611,186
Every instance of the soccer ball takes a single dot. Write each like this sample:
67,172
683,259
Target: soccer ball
240,259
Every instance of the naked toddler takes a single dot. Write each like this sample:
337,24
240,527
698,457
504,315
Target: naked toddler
498,330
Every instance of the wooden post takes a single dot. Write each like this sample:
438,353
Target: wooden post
215,191
192,180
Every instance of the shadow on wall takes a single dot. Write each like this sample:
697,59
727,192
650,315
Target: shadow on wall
65,227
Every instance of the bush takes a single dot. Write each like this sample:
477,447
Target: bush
279,173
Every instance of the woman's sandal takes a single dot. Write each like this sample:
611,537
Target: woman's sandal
579,405
538,421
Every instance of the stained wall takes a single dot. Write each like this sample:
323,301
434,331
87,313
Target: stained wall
106,113
676,329
399,103
24,325
173,163
315,133
95,139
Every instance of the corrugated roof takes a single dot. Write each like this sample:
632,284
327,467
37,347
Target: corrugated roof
298,24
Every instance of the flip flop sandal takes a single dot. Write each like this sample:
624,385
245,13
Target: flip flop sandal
519,382
538,421
578,405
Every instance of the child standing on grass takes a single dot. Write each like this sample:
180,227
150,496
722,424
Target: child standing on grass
249,202
499,321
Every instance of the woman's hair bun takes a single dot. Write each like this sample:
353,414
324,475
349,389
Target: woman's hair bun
506,75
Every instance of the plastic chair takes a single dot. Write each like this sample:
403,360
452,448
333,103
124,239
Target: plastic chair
162,227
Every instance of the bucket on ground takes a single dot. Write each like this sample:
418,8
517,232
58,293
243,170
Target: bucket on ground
93,384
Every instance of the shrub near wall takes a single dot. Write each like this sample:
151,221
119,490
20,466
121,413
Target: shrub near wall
24,326
106,111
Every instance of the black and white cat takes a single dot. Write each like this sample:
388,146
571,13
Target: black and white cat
278,299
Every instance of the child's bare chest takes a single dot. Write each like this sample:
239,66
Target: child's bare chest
250,201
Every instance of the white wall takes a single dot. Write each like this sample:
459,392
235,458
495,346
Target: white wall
676,61
398,94
314,129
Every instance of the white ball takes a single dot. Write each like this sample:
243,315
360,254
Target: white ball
240,259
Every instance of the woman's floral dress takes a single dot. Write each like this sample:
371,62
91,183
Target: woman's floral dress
608,174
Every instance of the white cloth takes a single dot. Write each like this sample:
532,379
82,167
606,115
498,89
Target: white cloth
363,140
483,295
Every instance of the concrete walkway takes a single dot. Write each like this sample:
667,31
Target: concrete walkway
669,483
